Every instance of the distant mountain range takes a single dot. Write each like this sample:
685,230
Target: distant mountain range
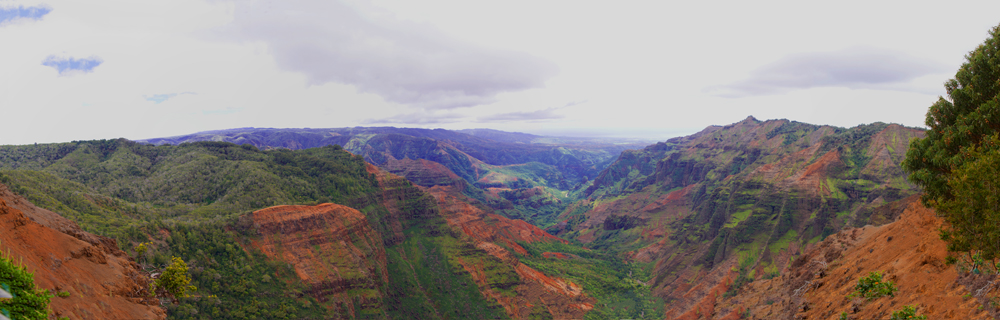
485,159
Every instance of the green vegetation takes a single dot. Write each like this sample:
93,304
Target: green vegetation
175,280
956,163
744,275
907,313
189,203
233,279
725,195
29,302
872,287
620,287
429,284
114,187
426,278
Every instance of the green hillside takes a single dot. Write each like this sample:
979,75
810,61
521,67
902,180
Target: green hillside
190,201
755,189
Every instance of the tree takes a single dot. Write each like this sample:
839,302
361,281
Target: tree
141,249
958,157
175,280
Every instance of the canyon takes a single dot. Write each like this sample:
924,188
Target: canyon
756,219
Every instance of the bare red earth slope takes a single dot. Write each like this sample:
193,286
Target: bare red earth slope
102,281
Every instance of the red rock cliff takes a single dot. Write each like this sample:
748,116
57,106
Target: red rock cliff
333,249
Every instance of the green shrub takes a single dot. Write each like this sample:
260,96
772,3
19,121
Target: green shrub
907,313
872,287
175,280
63,294
29,302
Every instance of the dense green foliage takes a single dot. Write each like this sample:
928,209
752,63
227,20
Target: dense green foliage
110,187
429,284
974,210
872,287
620,287
29,302
956,162
232,283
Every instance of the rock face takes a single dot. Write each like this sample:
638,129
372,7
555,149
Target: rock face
102,281
907,252
333,249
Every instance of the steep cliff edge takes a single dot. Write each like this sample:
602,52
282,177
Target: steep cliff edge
102,282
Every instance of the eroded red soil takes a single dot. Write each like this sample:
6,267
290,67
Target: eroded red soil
103,282
907,251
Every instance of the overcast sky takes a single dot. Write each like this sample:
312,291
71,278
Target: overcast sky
96,69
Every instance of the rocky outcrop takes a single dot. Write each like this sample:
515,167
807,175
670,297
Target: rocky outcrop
333,250
102,281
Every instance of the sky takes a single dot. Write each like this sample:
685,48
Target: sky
104,69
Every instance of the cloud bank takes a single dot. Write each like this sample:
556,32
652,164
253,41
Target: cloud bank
11,14
855,68
404,62
72,66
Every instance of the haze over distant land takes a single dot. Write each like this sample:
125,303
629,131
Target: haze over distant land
108,69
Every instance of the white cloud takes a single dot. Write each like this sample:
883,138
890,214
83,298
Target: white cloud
856,68
404,62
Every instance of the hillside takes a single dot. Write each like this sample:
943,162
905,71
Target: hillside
907,251
100,279
263,230
756,192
